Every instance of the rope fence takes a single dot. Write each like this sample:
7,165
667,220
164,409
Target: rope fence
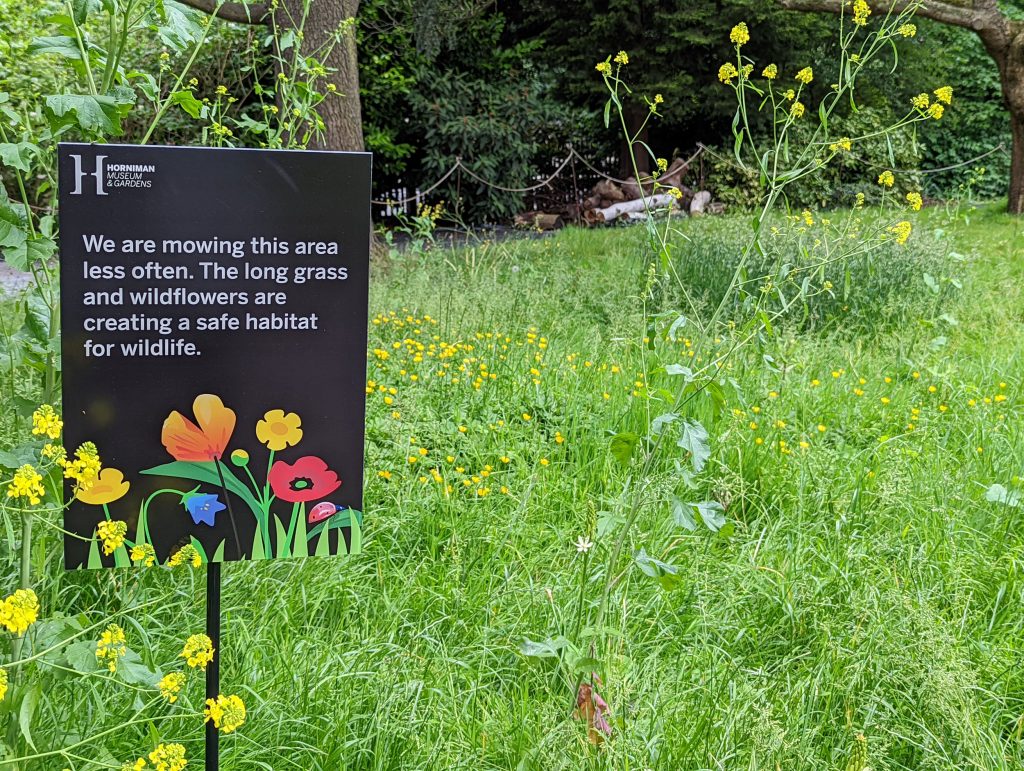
397,204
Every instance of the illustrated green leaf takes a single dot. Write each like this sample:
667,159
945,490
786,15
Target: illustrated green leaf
206,472
340,520
694,439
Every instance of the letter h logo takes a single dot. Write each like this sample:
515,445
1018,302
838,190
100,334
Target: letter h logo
80,174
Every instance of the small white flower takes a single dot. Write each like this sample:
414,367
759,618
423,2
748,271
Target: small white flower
584,544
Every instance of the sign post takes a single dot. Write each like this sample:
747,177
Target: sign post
214,306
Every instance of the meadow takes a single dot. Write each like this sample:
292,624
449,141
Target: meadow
853,601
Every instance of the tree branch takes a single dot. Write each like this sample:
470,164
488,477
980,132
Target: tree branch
241,13
977,15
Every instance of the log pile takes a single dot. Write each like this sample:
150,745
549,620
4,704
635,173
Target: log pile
633,200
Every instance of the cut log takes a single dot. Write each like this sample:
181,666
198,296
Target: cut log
699,203
609,190
673,177
539,220
593,202
611,213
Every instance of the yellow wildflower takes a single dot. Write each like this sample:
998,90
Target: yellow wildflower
727,72
144,554
170,685
907,30
84,468
805,76
921,101
944,94
168,757
797,110
111,646
112,534
915,201
770,72
19,611
226,712
187,554
740,34
886,179
936,111
605,67
843,144
3,683
198,651
28,484
861,11
902,231
46,422
621,58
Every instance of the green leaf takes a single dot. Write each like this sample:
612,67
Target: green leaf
682,515
548,649
181,27
258,552
187,101
679,369
80,10
665,574
694,439
356,537
323,543
659,423
17,155
81,657
29,252
340,520
712,513
218,554
27,711
199,548
59,45
95,561
93,114
678,324
622,447
282,538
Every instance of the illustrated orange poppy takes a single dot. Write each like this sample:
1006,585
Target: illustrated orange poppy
108,487
207,441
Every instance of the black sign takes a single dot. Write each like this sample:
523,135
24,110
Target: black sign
214,307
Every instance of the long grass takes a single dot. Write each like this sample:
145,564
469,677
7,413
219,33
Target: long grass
863,583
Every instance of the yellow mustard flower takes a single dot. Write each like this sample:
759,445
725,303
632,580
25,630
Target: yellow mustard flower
621,58
915,201
198,651
109,486
111,647
186,555
805,76
902,231
170,685
921,101
861,11
226,712
944,94
279,430
936,111
143,554
907,30
84,467
886,179
27,484
168,757
112,534
740,34
19,611
797,110
4,679
727,72
46,422
770,72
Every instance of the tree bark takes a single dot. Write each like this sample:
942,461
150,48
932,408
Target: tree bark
635,116
1003,39
341,111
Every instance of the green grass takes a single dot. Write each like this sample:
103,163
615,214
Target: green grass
863,584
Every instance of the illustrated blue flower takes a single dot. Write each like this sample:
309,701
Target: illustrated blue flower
202,506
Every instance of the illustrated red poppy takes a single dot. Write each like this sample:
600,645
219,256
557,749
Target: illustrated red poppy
186,441
305,480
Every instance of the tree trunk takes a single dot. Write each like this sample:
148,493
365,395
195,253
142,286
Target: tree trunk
635,116
341,111
1012,72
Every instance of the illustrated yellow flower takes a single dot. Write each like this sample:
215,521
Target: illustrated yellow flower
186,555
19,611
621,58
907,30
605,68
168,757
771,72
108,487
112,646
902,231
46,422
143,554
27,484
915,201
240,458
198,651
886,179
170,685
727,72
112,535
805,76
797,109
278,430
226,712
740,34
861,11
